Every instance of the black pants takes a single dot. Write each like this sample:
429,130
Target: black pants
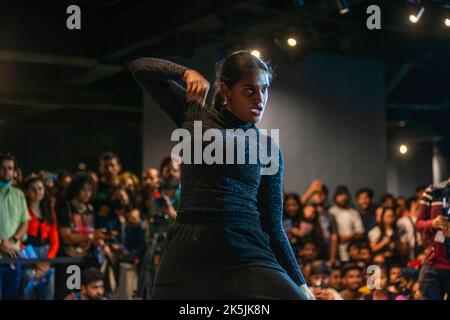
434,283
210,261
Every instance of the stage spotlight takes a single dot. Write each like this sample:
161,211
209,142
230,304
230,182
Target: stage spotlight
256,53
403,149
342,6
82,166
291,42
416,18
447,22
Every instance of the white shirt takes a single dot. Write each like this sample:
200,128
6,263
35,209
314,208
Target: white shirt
348,223
406,229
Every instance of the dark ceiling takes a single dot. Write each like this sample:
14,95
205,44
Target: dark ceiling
49,71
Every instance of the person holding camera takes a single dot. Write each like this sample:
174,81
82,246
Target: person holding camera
434,276
124,244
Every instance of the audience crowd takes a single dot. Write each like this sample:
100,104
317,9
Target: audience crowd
349,247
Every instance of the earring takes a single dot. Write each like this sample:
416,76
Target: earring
225,100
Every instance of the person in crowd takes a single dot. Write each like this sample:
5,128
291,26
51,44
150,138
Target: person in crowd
79,238
383,237
410,241
366,208
320,282
415,292
170,184
315,187
306,255
395,271
131,182
387,200
62,183
420,189
407,280
13,227
353,251
434,277
380,290
109,169
150,187
400,207
291,218
17,177
92,286
352,281
327,222
335,277
365,255
42,239
309,227
126,243
348,221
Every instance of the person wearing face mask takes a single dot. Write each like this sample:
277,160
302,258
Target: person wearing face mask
13,226
125,243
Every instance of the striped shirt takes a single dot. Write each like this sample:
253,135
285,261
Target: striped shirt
430,208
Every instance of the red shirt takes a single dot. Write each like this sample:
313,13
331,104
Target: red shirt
47,232
430,208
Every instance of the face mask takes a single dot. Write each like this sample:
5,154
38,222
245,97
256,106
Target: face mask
5,185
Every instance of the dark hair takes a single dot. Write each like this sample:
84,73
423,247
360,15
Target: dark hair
348,266
421,187
233,68
79,180
386,196
316,234
91,275
365,190
381,223
341,189
410,202
131,195
325,189
296,198
353,243
365,245
164,162
45,203
108,155
320,267
8,156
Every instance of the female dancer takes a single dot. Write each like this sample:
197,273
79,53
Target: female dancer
228,241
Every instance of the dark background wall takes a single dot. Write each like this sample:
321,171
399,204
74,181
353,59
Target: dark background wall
63,145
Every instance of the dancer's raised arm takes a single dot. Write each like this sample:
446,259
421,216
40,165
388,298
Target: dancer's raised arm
158,77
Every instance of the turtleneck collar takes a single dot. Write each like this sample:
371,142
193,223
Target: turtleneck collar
230,120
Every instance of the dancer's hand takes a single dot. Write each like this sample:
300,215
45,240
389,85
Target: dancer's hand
197,86
307,292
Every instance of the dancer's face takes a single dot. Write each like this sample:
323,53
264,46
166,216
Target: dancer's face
248,97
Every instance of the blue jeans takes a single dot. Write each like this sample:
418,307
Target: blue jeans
10,282
434,283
